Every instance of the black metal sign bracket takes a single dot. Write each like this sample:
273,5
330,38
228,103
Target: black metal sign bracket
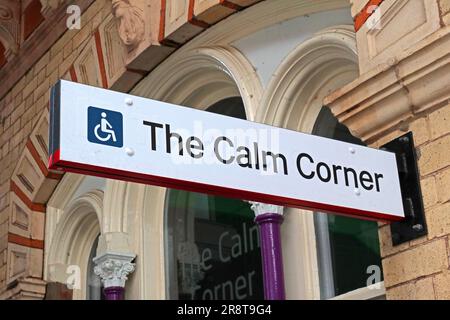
414,225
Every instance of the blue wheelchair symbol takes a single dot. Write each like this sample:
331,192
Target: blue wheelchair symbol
105,127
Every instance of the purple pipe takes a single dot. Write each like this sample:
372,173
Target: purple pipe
114,293
272,259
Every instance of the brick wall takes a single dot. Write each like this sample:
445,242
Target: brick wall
419,269
21,107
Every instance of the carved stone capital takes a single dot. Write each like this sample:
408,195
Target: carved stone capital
263,208
114,268
131,24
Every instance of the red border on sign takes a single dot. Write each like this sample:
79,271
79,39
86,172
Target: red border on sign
56,163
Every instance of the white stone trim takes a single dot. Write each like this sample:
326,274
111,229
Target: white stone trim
203,76
71,229
293,99
263,208
114,268
372,292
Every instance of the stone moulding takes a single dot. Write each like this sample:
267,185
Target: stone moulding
396,92
131,25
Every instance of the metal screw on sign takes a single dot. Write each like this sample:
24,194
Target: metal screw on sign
128,102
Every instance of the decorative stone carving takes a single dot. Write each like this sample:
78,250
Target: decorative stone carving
401,24
263,208
131,24
49,5
114,268
10,27
5,13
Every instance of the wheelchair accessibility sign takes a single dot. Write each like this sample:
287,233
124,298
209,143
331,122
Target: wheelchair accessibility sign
105,127
98,132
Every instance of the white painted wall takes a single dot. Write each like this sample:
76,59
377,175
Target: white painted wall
266,48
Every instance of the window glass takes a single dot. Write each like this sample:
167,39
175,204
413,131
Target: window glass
212,242
347,247
94,285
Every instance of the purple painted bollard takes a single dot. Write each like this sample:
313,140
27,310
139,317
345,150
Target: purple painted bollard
269,219
114,293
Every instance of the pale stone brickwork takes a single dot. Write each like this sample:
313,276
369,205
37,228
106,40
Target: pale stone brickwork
20,111
417,269
420,269
403,85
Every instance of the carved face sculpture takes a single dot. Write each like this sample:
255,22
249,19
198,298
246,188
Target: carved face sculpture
131,24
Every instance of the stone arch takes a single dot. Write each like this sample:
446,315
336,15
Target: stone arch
293,99
76,230
318,64
202,77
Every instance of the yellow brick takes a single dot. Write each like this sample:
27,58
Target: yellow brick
443,185
16,126
43,87
440,122
41,76
67,49
93,9
429,192
29,88
42,62
416,262
385,238
19,86
54,63
18,98
417,290
17,138
18,111
53,78
435,156
7,134
438,221
4,202
444,5
67,63
3,258
3,275
82,35
5,174
442,285
420,131
62,41
3,229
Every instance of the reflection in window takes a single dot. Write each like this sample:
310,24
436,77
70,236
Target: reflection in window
212,242
94,285
347,247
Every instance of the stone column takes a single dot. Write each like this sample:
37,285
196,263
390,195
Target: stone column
269,218
113,269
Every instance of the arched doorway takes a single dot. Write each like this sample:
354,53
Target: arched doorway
212,243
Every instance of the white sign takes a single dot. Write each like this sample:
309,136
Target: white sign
110,134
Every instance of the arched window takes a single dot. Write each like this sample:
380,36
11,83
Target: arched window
94,286
347,247
212,242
